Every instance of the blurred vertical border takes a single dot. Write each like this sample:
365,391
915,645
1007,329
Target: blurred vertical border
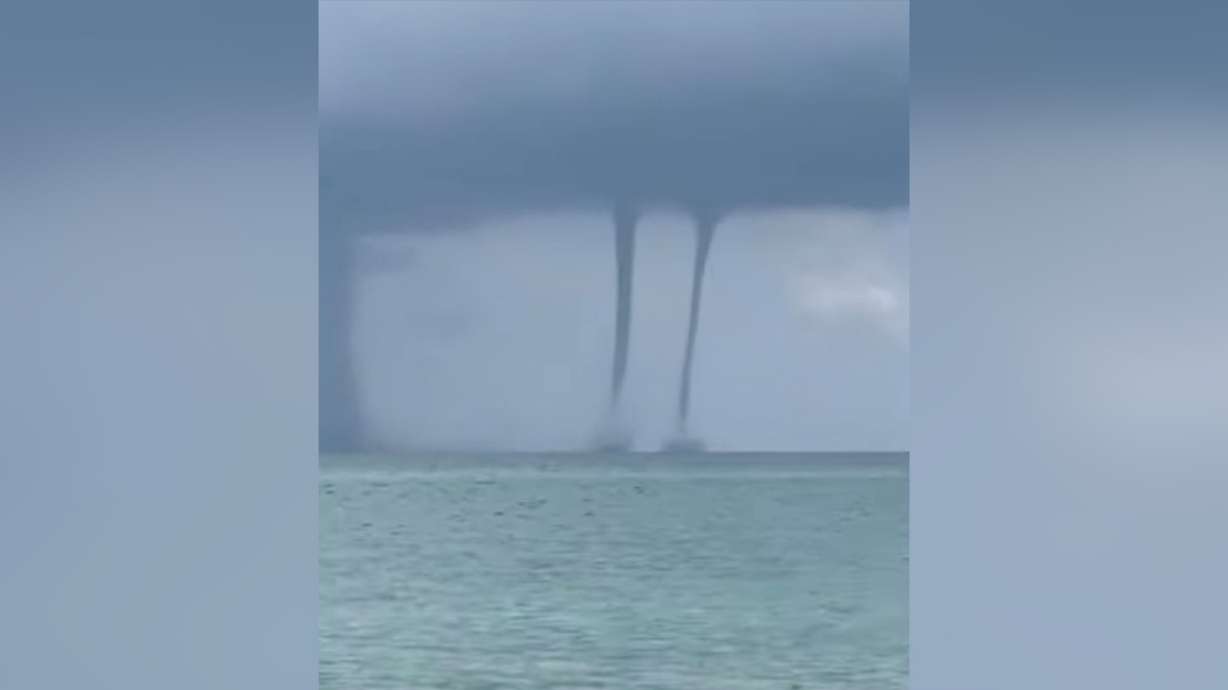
158,189
1070,390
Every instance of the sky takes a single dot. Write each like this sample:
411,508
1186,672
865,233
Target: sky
470,154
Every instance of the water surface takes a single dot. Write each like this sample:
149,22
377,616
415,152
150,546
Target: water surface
580,571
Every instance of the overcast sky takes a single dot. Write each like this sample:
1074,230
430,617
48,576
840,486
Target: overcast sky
486,143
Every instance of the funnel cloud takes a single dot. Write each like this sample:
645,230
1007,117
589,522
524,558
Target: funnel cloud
705,230
624,250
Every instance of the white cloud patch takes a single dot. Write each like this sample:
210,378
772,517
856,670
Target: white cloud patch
848,267
852,298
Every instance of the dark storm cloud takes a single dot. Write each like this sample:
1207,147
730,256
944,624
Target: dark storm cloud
435,114
1133,52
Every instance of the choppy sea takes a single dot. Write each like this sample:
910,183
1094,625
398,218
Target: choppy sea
656,571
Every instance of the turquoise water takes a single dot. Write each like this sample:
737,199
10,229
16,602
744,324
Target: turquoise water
705,572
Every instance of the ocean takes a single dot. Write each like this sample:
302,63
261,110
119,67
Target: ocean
655,571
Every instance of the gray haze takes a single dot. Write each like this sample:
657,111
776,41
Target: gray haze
535,120
804,343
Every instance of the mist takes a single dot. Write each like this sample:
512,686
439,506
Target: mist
501,337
